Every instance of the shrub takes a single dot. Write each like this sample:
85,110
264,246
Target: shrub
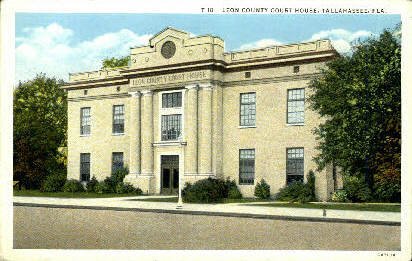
102,187
298,191
138,191
262,190
91,184
122,188
340,196
110,185
234,193
73,185
205,191
356,189
116,178
53,183
388,185
311,185
118,175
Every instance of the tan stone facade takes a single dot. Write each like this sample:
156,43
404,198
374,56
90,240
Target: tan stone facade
182,106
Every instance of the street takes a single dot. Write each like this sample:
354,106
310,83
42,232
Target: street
48,228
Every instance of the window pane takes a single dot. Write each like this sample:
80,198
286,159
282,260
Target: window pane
171,100
84,166
117,161
247,109
296,106
118,119
171,126
247,166
294,165
85,121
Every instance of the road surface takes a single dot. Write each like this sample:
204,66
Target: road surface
48,228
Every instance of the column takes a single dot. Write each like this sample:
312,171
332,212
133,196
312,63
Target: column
206,130
191,130
134,133
147,133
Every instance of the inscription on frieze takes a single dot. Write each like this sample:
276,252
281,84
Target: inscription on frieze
170,78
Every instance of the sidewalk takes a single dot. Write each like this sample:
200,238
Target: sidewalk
232,209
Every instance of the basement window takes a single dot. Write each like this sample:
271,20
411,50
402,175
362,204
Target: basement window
296,69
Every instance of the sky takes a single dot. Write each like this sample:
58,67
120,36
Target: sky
58,44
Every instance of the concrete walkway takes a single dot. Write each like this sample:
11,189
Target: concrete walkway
230,209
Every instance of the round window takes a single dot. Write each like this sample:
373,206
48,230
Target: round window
168,49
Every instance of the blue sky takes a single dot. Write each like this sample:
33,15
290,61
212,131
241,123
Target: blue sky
57,44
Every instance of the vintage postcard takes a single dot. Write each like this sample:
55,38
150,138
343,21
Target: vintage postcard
271,130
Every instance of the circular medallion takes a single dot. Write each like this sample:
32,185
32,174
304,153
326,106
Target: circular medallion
168,49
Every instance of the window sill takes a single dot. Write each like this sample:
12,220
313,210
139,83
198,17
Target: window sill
85,135
117,134
252,184
246,127
295,124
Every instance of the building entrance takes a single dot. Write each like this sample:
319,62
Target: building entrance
169,174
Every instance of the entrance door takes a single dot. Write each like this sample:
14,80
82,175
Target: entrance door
169,174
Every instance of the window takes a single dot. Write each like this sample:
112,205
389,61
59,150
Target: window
171,100
84,166
296,69
246,167
117,161
296,106
248,74
171,126
118,119
294,165
85,121
248,109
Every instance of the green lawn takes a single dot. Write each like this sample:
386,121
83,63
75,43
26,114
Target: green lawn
174,199
165,199
38,193
268,203
388,207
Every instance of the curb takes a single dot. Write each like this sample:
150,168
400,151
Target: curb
221,214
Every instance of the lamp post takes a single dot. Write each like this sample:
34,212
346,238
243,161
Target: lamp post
180,200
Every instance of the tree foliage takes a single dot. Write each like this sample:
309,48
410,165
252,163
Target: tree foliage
359,96
114,62
40,123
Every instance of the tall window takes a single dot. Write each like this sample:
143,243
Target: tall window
248,109
84,166
117,161
246,167
172,100
85,121
294,165
171,126
118,119
296,106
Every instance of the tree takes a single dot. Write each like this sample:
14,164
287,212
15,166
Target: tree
40,130
359,96
115,62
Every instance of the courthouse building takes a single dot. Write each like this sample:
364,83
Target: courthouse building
185,107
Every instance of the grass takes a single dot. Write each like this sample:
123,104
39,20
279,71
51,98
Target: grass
38,193
385,207
166,199
388,207
174,199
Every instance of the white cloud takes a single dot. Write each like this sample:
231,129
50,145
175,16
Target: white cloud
341,39
260,44
50,50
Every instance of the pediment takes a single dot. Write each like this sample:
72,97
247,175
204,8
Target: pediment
168,32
